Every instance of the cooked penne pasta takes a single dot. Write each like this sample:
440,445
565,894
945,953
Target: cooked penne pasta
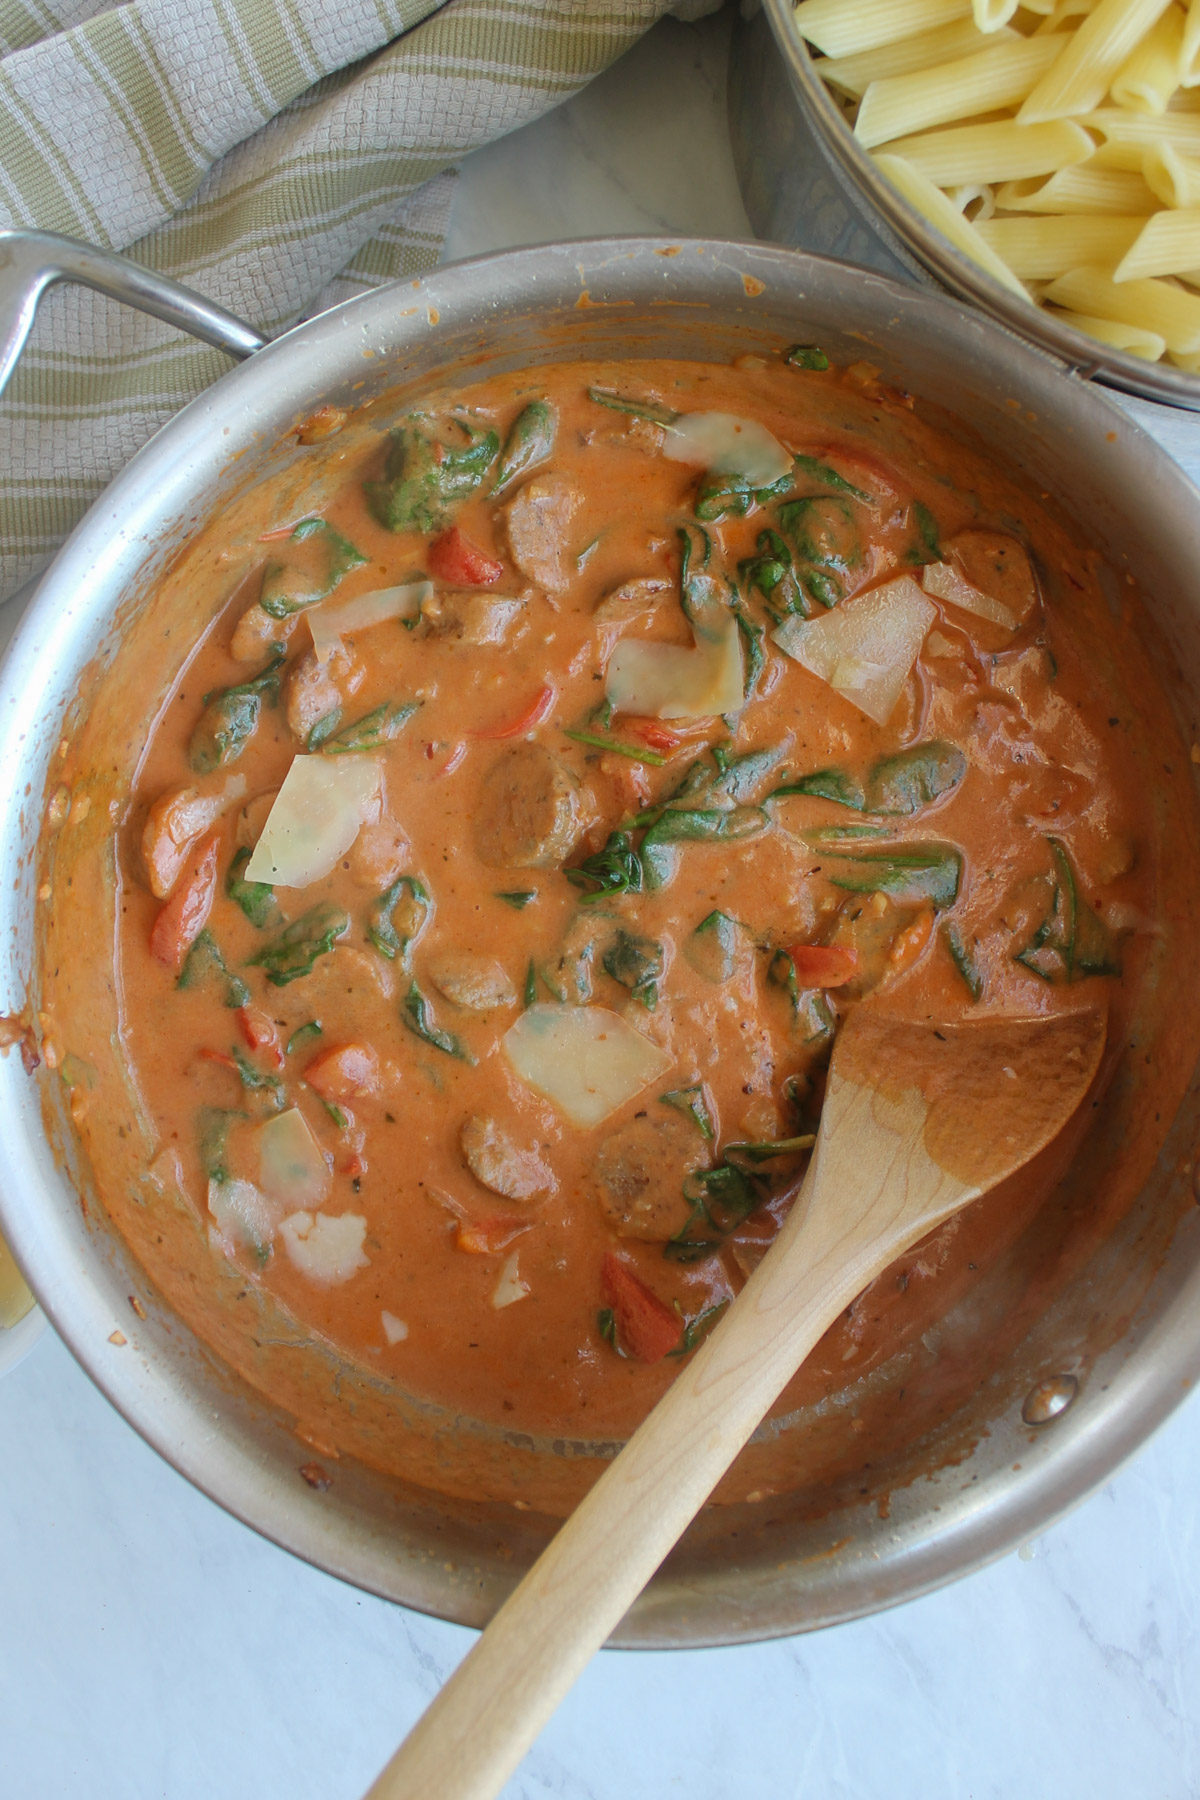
1082,189
1151,77
1168,241
1173,179
1001,151
1189,54
1134,338
1128,135
844,27
977,194
998,76
1039,249
1189,362
990,15
1080,77
1148,77
929,200
854,74
1153,305
1064,12
1053,143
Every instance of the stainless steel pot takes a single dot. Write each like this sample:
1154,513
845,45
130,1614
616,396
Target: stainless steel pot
1095,1371
807,181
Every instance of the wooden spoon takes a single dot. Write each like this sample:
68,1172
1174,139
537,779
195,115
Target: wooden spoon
917,1121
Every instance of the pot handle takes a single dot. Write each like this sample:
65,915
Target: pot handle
32,261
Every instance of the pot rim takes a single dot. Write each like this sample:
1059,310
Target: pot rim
1079,355
87,1303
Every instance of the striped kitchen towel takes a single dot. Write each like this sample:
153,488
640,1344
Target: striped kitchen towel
279,155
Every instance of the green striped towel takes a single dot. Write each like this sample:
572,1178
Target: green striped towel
279,155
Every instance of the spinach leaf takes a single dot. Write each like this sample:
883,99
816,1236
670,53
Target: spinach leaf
812,1017
374,729
754,657
303,1034
691,1102
517,898
212,1134
256,898
928,547
962,959
901,785
826,544
529,993
738,777
637,752
204,960
696,1330
637,963
287,590
732,496
681,825
398,918
705,825
1072,942
723,1198
295,949
910,873
829,477
423,478
822,836
712,948
529,442
769,572
617,869
824,784
258,1078
324,728
807,356
230,719
653,410
418,1016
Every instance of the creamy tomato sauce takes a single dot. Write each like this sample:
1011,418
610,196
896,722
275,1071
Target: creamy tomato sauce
498,866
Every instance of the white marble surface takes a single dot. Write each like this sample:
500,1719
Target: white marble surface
153,1649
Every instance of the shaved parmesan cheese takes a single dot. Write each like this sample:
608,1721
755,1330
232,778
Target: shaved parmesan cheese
316,817
511,1286
394,1330
241,1216
944,580
584,1059
326,1249
291,1168
334,619
665,681
727,445
864,648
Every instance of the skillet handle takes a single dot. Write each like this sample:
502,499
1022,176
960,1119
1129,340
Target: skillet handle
32,261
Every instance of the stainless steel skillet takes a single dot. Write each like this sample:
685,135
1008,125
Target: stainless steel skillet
1118,1347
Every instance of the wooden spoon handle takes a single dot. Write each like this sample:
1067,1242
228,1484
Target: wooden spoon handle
493,1707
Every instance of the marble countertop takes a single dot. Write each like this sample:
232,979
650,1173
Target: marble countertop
151,1648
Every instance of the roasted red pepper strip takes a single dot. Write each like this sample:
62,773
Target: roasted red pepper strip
183,917
344,1072
652,734
823,965
535,714
259,1033
453,557
484,1237
647,1328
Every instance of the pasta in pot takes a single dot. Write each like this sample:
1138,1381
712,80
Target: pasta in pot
1085,156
